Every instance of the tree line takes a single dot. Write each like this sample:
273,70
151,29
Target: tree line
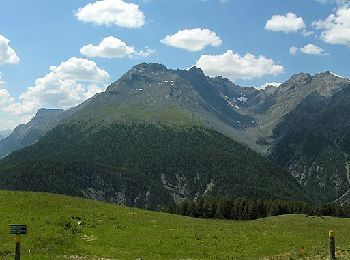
250,209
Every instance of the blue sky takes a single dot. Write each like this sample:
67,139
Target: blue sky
91,44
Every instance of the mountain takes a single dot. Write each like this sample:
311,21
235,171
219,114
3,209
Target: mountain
314,144
25,135
4,134
152,93
273,104
144,165
302,125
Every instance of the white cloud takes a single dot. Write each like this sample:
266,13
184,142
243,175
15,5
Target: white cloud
7,54
9,123
293,50
6,121
288,23
112,12
192,39
66,85
5,98
1,81
312,49
338,2
309,49
233,66
336,28
111,47
79,70
273,84
306,33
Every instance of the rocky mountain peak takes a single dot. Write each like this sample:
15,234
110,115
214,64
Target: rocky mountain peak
328,76
196,71
325,83
45,113
142,75
300,78
149,68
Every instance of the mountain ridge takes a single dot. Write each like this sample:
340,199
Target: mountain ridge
27,134
243,113
267,120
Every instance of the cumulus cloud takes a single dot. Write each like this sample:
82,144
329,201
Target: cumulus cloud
111,47
66,85
309,49
192,39
80,70
7,54
5,97
336,27
233,66
338,2
1,81
312,49
112,12
7,124
6,121
285,23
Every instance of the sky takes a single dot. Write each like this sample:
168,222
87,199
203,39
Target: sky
56,54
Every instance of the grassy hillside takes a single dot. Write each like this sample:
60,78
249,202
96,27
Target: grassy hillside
115,232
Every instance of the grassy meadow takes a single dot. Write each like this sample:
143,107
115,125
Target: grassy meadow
61,227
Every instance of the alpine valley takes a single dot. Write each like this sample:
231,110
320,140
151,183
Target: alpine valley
157,136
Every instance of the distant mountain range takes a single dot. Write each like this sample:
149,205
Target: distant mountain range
25,135
302,125
4,134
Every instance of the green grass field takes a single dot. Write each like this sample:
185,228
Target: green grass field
114,232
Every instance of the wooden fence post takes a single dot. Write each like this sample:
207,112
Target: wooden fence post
331,244
18,247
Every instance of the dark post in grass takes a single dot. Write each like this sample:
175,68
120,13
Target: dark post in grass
18,230
331,244
18,247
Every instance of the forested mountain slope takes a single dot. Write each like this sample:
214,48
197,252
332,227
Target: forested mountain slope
144,165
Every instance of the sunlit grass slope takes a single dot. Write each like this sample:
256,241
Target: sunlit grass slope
114,232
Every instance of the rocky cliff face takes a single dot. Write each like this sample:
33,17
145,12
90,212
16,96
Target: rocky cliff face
277,103
313,143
